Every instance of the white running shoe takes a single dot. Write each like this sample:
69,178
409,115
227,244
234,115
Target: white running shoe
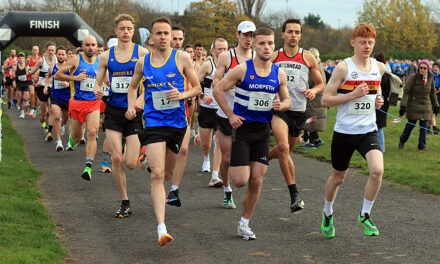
215,182
60,146
63,130
193,133
206,167
69,147
245,231
21,114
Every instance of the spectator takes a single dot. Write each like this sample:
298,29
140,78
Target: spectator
381,117
412,69
398,72
418,101
435,71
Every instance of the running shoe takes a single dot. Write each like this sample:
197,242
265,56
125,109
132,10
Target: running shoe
123,211
49,137
72,144
215,182
296,202
165,239
143,162
69,147
197,140
206,167
228,202
327,227
59,146
319,143
308,146
245,231
83,141
34,113
105,167
21,114
87,174
370,228
27,112
193,133
9,105
173,198
43,124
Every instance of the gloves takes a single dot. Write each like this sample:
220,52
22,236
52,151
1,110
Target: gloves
402,110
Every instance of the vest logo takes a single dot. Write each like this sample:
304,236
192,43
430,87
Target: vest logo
44,24
134,59
148,77
111,60
354,75
252,76
273,81
171,75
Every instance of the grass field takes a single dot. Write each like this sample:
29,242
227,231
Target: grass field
26,233
408,166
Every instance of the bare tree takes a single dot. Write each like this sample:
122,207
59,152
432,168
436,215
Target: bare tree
252,8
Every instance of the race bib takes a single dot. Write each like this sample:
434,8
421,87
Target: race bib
22,78
260,101
87,85
160,101
106,89
292,77
362,106
120,84
58,85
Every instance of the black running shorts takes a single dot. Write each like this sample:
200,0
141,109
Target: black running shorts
343,146
250,142
294,120
64,105
207,117
114,119
223,125
40,93
171,135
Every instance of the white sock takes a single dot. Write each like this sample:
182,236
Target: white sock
59,142
206,158
227,188
328,208
366,208
161,229
174,187
244,220
215,143
215,174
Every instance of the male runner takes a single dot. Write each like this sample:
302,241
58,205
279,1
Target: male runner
83,107
19,74
207,112
164,73
7,66
178,38
356,81
198,56
120,61
99,49
59,98
190,50
287,126
226,62
30,62
254,101
43,64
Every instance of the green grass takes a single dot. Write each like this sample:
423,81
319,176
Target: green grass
419,169
26,233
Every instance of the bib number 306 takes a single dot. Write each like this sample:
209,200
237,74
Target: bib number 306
260,101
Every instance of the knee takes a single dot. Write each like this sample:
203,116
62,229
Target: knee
255,183
283,149
91,132
157,174
117,158
183,151
130,164
338,179
376,174
239,183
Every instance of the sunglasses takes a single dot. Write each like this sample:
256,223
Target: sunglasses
423,68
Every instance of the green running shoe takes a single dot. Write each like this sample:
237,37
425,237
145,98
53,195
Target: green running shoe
370,228
87,174
72,142
327,227
228,202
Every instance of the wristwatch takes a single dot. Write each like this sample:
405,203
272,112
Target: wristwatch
201,96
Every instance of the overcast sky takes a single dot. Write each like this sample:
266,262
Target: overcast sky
336,13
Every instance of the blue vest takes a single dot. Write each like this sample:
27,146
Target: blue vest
254,96
158,111
120,74
84,89
58,90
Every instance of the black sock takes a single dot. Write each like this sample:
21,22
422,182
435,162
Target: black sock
50,129
126,202
89,165
292,188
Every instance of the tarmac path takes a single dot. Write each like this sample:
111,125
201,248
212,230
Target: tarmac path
204,232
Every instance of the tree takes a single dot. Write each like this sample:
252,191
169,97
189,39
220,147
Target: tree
252,8
313,21
406,25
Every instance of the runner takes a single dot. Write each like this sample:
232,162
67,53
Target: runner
59,97
7,66
30,62
178,37
207,113
190,50
226,62
165,92
43,64
198,56
120,61
19,74
287,126
356,81
254,101
99,49
83,107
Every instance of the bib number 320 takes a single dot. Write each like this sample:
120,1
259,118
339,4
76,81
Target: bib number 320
363,106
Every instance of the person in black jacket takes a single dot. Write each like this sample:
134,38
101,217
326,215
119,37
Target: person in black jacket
381,117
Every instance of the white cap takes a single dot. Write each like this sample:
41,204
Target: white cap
246,26
112,42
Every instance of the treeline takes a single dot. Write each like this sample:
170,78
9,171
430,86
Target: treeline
406,29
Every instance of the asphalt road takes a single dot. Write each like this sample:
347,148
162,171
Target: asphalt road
204,232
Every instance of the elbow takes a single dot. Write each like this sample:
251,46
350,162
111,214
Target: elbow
324,102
